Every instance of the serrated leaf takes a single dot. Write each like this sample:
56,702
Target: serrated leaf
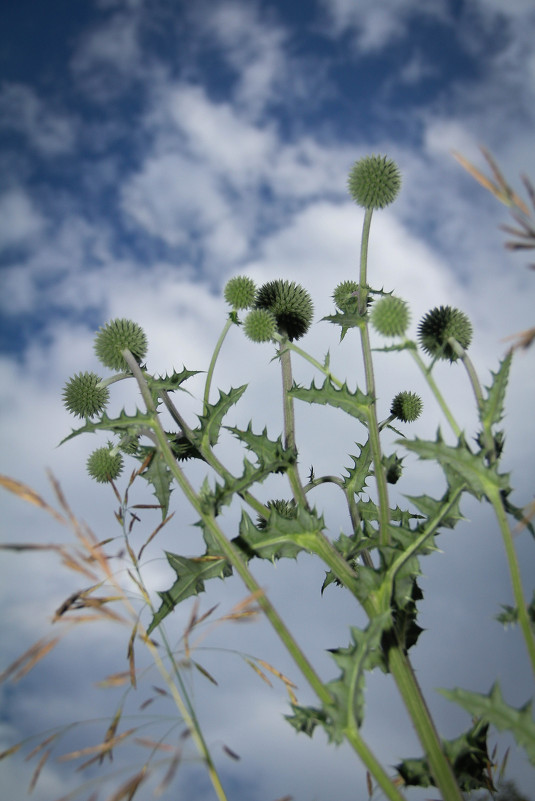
355,403
480,478
430,507
161,478
493,709
170,383
468,756
115,424
492,408
345,320
355,481
283,537
191,575
212,418
271,453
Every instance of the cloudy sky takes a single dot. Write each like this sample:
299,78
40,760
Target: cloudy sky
151,150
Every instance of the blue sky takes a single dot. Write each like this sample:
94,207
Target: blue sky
149,152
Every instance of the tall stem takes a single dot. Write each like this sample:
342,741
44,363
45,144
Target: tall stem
289,420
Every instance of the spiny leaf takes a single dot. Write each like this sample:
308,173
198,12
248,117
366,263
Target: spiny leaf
269,452
345,320
468,756
116,424
480,478
493,405
493,709
170,383
191,575
430,507
355,481
159,475
354,403
283,537
212,418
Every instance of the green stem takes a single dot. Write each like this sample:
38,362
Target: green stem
289,421
213,360
514,571
436,392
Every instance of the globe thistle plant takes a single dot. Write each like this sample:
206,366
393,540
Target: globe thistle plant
290,304
114,337
84,397
390,316
374,182
345,296
105,464
240,292
439,326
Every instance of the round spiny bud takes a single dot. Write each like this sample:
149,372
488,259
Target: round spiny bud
438,326
129,443
390,316
114,337
346,296
374,182
83,397
104,465
291,305
285,509
407,407
240,292
260,325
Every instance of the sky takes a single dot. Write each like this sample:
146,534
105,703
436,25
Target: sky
150,151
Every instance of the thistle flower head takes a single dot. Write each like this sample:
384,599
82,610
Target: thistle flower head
240,292
83,397
105,465
374,182
114,337
407,407
345,296
441,324
290,304
285,509
390,316
260,325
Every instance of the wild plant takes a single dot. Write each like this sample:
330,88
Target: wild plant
376,559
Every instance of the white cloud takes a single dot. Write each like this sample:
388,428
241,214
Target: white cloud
20,220
50,132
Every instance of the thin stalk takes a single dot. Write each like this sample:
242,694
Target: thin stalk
289,421
514,571
213,360
436,392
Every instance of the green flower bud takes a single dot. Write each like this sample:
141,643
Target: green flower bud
285,509
438,326
105,465
82,397
240,292
114,337
374,182
407,407
129,444
260,325
291,305
393,468
390,316
346,296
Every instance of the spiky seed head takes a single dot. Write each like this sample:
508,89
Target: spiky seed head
114,337
345,296
105,465
240,292
83,397
374,182
407,407
291,305
438,326
260,325
390,316
285,509
129,444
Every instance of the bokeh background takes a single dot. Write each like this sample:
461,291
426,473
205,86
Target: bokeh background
151,150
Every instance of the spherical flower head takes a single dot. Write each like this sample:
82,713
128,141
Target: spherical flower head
285,509
290,304
240,292
374,182
129,444
407,407
105,465
83,397
114,337
260,325
390,316
438,326
345,296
